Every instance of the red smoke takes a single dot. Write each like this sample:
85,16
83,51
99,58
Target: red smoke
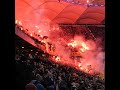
84,55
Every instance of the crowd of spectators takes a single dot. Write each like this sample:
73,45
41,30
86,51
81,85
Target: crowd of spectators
74,30
35,71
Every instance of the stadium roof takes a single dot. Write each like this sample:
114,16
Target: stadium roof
63,12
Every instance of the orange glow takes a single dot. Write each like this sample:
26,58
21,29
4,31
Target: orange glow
57,58
31,35
16,21
82,50
20,23
39,31
73,44
79,65
84,46
43,41
81,68
41,36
